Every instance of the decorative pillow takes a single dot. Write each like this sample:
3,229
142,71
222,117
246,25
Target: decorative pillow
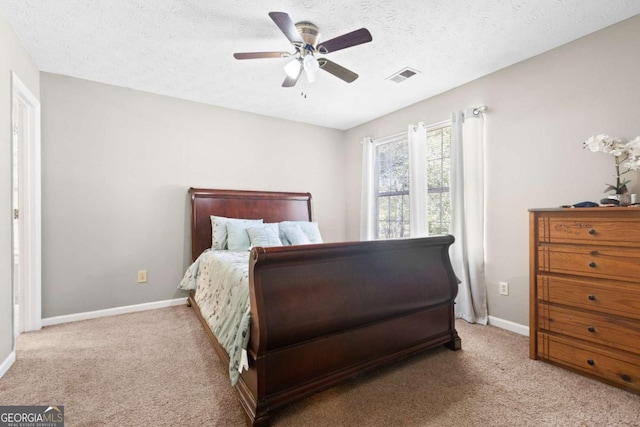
218,232
295,235
237,237
264,236
310,229
219,235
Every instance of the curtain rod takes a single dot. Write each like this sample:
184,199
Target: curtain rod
475,111
468,113
384,138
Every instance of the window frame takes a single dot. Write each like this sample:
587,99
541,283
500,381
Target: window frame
406,193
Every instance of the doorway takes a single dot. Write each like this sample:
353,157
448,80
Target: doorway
26,233
17,138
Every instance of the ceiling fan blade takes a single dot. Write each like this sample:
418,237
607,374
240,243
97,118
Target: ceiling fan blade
287,26
344,41
291,81
258,55
337,70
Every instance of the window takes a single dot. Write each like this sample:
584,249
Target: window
391,180
438,176
392,188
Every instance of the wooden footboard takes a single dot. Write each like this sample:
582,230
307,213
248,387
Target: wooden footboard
323,313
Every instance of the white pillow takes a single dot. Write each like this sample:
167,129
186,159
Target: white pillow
219,235
237,237
265,235
295,235
310,229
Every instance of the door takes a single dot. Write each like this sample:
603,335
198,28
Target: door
26,239
16,140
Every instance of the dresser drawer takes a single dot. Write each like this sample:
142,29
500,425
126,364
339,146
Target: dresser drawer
592,294
603,329
610,263
589,231
617,368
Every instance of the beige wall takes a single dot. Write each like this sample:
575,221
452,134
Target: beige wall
540,111
116,167
13,57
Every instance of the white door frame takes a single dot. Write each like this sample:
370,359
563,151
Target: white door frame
30,208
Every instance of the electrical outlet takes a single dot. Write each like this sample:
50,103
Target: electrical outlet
504,288
142,276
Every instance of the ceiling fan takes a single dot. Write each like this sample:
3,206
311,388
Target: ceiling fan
304,38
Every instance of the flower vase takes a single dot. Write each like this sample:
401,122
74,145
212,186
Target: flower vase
624,199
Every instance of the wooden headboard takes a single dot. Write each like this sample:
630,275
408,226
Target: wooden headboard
269,205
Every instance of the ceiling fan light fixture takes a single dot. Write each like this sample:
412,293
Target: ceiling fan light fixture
293,68
311,67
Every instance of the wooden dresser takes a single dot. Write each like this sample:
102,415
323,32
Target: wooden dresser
585,291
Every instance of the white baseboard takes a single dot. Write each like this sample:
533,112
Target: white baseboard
509,325
4,367
112,311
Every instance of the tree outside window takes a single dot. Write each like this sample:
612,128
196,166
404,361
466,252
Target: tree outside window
392,184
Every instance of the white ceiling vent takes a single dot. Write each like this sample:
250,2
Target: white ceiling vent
402,75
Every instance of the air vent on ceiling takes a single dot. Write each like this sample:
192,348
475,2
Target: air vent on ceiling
402,75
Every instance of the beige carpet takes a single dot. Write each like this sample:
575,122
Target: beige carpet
157,368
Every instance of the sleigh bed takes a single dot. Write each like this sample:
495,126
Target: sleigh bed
322,313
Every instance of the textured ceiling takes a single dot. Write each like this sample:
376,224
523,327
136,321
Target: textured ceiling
183,48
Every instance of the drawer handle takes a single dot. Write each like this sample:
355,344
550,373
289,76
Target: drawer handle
626,378
592,297
591,362
592,231
591,329
592,264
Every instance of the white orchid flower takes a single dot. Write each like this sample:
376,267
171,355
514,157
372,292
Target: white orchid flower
627,156
633,147
632,165
594,144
